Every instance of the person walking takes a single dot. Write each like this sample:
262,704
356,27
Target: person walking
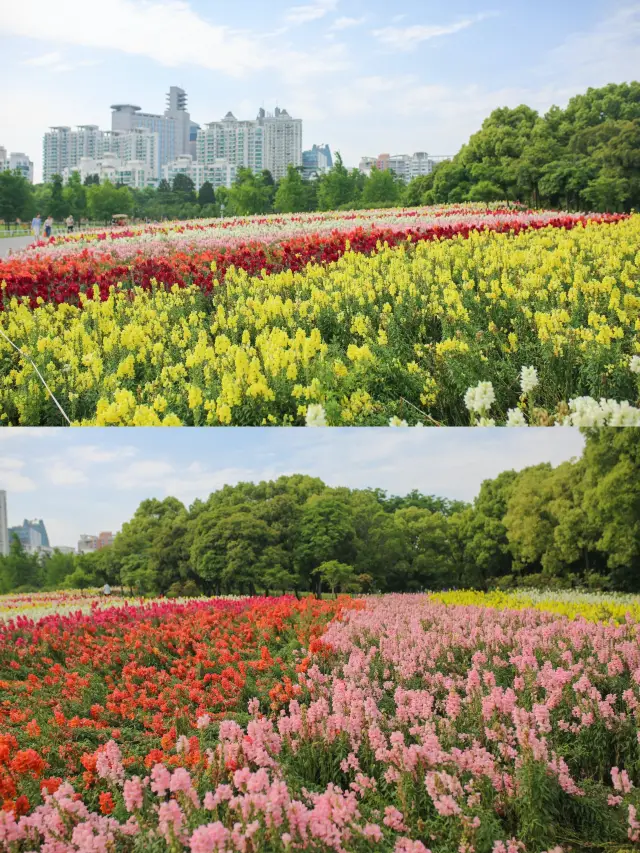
36,225
48,225
69,221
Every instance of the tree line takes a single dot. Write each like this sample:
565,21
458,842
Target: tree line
574,525
584,157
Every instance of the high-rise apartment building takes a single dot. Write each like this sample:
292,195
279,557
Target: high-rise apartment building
218,172
282,141
32,534
104,540
405,166
138,144
175,129
110,167
271,141
63,148
87,543
128,157
4,529
16,161
240,143
316,161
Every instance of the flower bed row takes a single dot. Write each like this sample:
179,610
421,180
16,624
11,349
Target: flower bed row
403,333
63,278
267,229
409,727
141,674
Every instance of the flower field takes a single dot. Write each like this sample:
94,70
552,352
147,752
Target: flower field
396,723
35,606
594,606
447,315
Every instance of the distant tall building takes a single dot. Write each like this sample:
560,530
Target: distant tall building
240,143
4,530
16,160
104,540
282,141
87,543
271,141
316,161
219,172
32,534
405,166
175,128
193,139
63,148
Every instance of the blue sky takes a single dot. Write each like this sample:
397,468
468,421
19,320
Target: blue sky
363,78
90,480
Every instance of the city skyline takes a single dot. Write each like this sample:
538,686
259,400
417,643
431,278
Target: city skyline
81,484
366,80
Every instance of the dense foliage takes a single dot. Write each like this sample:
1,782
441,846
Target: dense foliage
585,156
543,526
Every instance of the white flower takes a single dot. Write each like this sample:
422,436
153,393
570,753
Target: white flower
316,416
634,364
396,422
203,721
515,418
419,424
182,745
587,412
486,422
528,379
480,398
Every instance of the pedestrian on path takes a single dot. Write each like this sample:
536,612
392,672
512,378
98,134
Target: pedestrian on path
69,222
36,225
48,225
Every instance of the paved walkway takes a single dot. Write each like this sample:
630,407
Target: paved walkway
8,244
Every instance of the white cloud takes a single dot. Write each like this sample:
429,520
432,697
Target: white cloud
310,12
608,53
12,478
61,473
44,60
407,38
147,473
185,483
91,454
449,463
169,32
28,433
346,23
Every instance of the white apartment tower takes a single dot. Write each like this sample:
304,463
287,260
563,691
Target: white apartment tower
282,141
173,128
271,141
404,166
63,148
240,143
4,528
17,160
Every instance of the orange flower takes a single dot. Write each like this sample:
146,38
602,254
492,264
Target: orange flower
51,785
106,803
32,728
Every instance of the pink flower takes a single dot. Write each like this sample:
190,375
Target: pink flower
209,838
394,819
160,779
373,832
133,794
